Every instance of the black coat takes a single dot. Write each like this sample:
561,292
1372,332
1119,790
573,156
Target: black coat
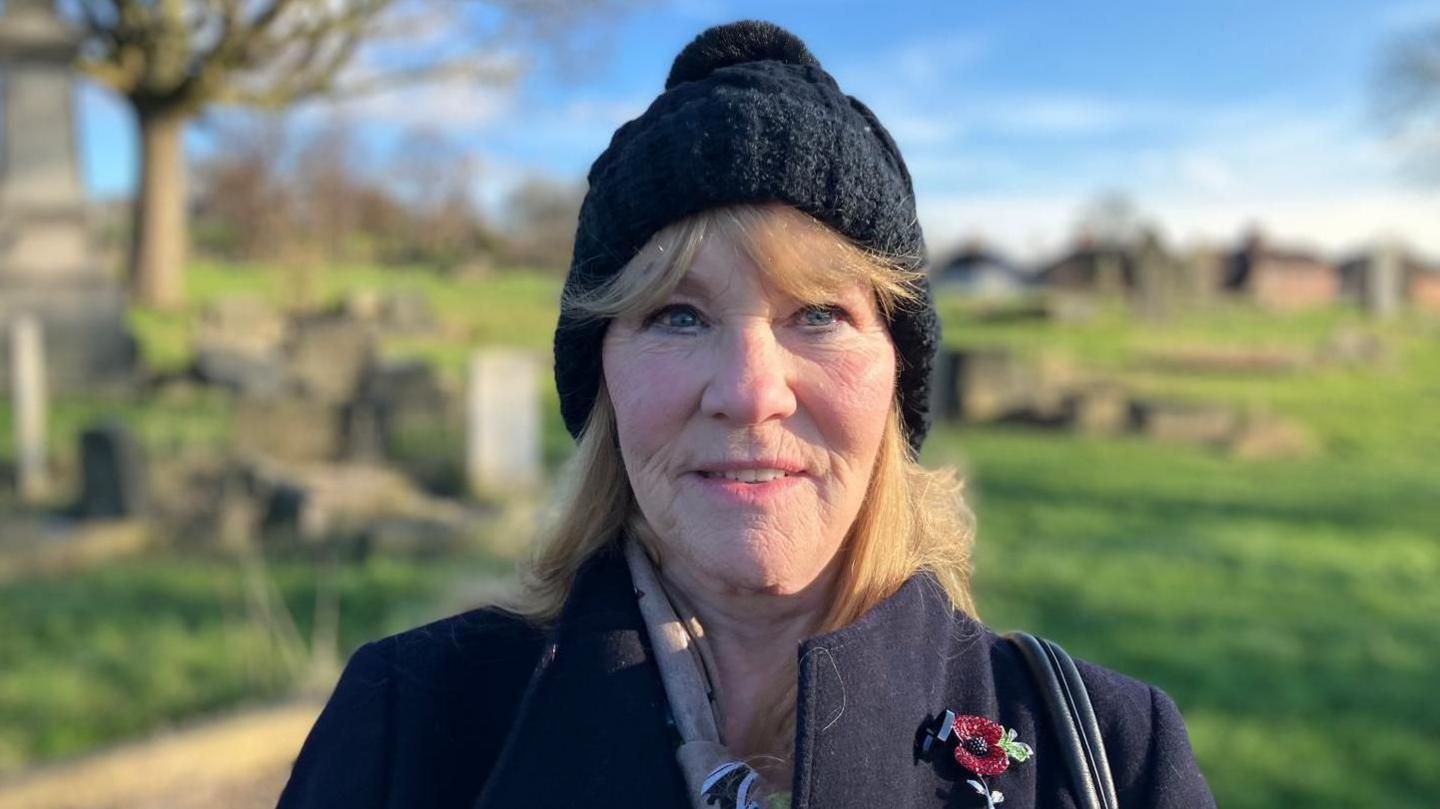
482,710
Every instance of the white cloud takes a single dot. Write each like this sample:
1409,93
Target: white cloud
1407,15
608,113
1036,227
1053,115
452,107
1309,177
914,68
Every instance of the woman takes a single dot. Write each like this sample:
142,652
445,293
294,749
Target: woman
752,594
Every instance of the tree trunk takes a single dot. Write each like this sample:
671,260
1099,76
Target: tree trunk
157,255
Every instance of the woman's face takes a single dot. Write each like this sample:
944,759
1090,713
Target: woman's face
749,422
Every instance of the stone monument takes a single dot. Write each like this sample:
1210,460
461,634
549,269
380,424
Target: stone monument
48,267
503,442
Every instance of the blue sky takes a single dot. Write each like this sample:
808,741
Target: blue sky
1012,115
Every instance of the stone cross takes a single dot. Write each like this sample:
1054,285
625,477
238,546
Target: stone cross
27,368
502,418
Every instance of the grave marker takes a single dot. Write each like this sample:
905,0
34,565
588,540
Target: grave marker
27,385
503,422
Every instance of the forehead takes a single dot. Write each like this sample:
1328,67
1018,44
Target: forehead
794,263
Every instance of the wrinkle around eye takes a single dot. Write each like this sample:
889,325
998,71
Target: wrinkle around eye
655,320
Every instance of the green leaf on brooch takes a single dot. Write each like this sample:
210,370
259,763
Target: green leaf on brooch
1017,750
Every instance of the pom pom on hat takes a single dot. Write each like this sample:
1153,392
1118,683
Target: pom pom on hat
735,44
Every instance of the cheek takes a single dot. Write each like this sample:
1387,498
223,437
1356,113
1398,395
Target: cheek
850,396
651,394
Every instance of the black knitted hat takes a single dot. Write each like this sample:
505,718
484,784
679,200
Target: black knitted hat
747,115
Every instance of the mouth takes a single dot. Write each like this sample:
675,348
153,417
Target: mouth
752,476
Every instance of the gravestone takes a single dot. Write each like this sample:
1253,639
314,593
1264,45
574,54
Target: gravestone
399,412
113,472
289,428
27,371
980,385
48,267
407,312
503,422
1184,422
328,356
241,323
243,373
1098,409
1383,281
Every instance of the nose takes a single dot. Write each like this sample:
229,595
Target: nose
751,376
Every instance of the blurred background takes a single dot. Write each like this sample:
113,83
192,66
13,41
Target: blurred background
278,280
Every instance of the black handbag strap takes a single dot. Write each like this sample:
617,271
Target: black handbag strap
1073,719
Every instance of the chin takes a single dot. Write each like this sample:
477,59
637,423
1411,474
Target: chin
761,565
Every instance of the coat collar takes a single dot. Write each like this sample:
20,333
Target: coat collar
592,724
593,721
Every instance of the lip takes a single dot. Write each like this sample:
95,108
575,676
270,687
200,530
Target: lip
786,466
735,493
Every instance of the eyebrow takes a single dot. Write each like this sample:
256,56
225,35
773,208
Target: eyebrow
690,284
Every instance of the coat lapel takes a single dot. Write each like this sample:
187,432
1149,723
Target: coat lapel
592,729
867,693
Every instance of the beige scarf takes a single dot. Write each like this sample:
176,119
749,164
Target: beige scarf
687,670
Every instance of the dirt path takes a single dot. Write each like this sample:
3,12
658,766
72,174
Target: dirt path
236,762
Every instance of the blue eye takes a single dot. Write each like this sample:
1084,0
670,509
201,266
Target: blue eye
820,316
675,316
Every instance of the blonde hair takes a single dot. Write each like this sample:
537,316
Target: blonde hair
912,519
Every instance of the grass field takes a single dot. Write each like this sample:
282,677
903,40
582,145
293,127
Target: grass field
1290,607
133,646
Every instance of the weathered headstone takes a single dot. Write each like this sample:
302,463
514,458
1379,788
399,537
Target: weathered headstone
503,422
241,323
48,268
1184,422
294,429
399,411
242,372
1383,281
114,473
27,369
1155,277
328,356
1099,409
407,312
981,385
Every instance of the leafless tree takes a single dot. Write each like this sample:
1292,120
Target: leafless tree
540,219
244,204
171,59
1110,219
328,185
434,177
1407,94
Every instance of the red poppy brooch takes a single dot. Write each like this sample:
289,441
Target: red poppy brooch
983,747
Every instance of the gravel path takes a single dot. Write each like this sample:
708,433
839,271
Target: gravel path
237,762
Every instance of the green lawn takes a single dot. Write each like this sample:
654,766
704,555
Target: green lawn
132,646
1288,606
